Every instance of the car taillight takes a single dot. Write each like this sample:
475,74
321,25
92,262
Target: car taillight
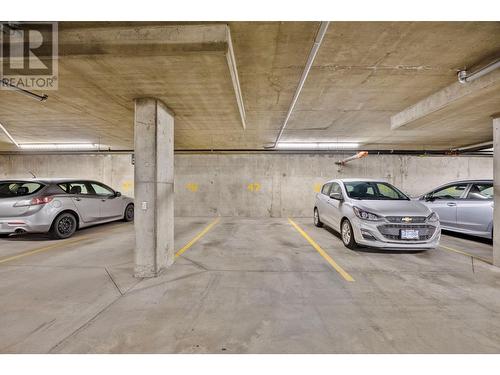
40,200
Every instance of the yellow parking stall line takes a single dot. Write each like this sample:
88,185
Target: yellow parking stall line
59,243
196,238
322,252
466,254
44,248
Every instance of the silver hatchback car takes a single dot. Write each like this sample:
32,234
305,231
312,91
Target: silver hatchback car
463,206
59,206
375,214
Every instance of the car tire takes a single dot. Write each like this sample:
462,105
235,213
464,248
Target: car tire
317,221
129,213
347,235
64,226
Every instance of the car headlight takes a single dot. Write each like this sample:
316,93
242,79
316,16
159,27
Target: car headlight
432,218
365,215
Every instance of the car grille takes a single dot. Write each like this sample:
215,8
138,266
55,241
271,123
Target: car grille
399,219
391,231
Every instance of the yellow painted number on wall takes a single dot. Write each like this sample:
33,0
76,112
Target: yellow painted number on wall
192,187
127,185
253,187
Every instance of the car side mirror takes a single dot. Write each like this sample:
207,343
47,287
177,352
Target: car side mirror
118,194
429,198
337,196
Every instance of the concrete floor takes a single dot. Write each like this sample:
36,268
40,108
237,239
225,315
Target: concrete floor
247,286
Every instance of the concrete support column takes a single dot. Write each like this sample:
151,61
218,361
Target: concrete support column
496,190
154,187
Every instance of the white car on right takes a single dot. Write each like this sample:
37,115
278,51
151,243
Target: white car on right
374,213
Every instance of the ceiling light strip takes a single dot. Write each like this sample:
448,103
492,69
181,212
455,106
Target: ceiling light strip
58,146
317,145
231,62
8,135
310,60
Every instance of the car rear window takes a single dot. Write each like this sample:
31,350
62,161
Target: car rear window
18,188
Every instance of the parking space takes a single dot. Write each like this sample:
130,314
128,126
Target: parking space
246,286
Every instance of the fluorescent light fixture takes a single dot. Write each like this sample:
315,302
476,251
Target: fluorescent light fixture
58,146
317,145
9,135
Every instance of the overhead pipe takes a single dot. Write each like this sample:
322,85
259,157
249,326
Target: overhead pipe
359,155
310,60
465,77
475,147
40,98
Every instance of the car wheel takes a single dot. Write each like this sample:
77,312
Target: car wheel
317,220
63,226
129,213
347,235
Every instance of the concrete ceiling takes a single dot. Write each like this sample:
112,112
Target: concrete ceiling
364,73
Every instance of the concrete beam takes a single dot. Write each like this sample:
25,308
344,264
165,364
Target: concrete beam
154,187
143,40
496,190
455,94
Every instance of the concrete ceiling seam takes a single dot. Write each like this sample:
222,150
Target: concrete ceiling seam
310,60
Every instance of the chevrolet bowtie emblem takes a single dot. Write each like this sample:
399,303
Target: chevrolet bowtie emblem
407,219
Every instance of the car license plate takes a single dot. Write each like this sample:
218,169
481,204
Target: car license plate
409,234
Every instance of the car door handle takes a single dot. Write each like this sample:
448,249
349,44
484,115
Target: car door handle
78,199
103,200
451,204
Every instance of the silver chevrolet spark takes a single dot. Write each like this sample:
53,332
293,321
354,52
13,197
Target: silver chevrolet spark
375,214
59,206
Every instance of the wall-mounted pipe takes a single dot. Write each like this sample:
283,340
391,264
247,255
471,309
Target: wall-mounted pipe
359,155
310,60
464,76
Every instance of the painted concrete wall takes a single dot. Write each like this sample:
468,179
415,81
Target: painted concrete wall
250,184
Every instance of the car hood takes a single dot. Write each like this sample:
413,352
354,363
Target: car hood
393,208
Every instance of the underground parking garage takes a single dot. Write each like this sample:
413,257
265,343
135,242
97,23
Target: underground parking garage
228,138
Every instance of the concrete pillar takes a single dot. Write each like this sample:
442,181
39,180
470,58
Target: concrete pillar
496,190
154,187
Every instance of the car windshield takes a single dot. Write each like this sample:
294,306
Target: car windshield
11,189
368,190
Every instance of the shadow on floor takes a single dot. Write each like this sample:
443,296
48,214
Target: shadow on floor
468,237
45,236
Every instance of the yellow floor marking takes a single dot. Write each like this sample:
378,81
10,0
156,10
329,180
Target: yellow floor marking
42,249
322,252
60,243
467,254
196,238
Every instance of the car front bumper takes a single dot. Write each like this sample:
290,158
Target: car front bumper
368,234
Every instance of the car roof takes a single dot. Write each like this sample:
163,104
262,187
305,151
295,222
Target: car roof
48,181
356,180
470,181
